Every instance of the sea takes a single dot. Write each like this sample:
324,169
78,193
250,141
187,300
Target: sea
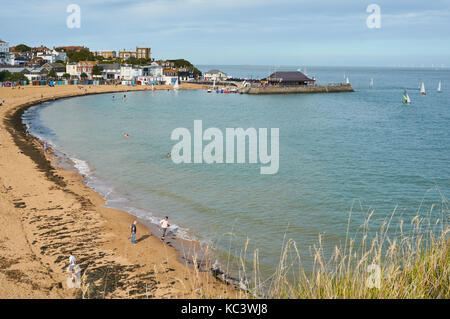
342,157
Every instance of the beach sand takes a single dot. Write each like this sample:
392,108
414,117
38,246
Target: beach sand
47,212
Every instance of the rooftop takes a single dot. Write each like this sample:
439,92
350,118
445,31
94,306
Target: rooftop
288,76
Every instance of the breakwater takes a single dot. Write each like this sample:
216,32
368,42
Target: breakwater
329,88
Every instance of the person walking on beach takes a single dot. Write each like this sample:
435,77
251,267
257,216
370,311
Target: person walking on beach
133,232
45,147
164,225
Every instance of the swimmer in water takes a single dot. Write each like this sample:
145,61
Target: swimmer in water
168,155
126,135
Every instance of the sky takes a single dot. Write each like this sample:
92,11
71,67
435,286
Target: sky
254,32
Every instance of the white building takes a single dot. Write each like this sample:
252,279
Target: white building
36,74
129,72
217,75
6,57
71,68
110,71
53,56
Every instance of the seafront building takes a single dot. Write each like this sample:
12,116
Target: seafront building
76,69
215,75
110,71
36,73
288,78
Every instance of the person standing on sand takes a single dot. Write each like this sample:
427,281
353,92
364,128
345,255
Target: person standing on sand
164,225
45,147
133,232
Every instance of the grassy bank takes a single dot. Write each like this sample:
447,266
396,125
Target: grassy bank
412,263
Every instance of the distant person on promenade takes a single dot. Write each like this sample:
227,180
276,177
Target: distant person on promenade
164,225
133,232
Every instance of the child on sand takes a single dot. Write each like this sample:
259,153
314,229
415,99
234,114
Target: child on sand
133,232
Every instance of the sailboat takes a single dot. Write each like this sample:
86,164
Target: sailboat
406,99
347,81
176,86
371,83
422,89
439,87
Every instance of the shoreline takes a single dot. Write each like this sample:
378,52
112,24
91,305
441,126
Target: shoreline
64,180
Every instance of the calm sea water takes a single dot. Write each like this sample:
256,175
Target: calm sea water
362,149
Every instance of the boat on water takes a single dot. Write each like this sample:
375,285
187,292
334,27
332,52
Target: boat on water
212,89
347,81
422,89
439,87
176,86
371,83
406,99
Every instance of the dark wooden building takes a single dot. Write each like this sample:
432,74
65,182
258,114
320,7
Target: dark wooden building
289,78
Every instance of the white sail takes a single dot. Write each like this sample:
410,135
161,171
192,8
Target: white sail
371,83
422,89
347,81
176,85
439,87
406,99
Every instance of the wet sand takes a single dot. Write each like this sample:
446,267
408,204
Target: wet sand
47,212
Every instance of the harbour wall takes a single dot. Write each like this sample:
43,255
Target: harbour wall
330,88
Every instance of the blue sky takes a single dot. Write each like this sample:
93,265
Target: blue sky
258,32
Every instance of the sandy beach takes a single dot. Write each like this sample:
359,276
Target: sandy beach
47,212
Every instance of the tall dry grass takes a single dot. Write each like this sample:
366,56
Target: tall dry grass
412,263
